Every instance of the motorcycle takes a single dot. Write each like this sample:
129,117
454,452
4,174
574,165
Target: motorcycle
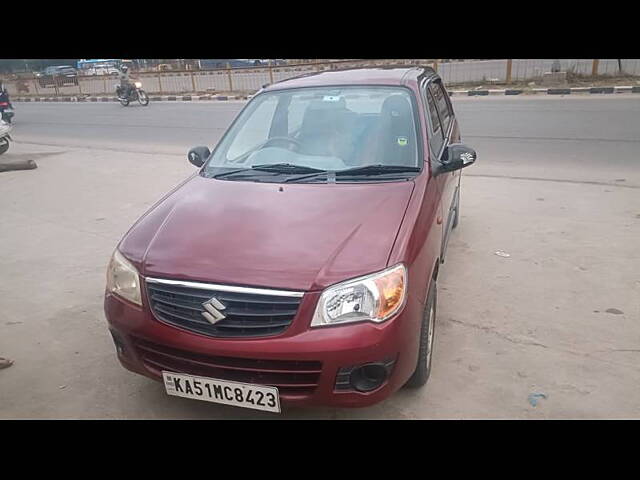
7,111
5,128
135,93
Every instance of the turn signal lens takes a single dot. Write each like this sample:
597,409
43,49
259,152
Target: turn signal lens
391,288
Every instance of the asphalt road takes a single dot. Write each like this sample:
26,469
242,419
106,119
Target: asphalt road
584,138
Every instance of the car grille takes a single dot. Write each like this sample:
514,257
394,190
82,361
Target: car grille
291,377
246,314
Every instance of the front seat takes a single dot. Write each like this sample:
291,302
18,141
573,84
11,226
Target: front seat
397,134
319,126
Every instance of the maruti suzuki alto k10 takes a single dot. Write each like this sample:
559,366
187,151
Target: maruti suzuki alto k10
299,264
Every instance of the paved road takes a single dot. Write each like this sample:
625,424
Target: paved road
574,137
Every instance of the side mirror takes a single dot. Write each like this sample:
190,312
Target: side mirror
455,157
198,155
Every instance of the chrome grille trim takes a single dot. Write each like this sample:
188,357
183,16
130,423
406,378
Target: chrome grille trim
226,288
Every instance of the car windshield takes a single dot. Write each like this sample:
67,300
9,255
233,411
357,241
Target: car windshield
328,129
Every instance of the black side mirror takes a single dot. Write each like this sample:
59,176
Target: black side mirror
198,155
455,157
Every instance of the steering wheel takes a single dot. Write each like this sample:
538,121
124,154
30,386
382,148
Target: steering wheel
290,141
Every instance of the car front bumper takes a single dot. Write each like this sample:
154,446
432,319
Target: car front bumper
303,362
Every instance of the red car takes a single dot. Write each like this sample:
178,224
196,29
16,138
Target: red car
299,264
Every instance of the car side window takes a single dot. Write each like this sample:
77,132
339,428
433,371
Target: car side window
442,104
436,139
448,101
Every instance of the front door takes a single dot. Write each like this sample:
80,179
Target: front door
442,124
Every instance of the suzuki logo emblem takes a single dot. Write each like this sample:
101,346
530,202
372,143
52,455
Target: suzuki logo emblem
213,313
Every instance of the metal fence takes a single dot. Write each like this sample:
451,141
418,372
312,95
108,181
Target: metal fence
248,80
519,70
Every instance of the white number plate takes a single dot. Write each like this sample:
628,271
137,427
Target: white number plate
237,394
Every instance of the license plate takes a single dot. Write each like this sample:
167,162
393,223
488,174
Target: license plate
238,394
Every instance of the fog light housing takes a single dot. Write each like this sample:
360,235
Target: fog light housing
364,378
118,343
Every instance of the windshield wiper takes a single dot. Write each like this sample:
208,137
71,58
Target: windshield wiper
305,177
376,170
274,168
357,171
231,172
286,168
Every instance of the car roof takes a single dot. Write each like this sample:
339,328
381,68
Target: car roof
355,76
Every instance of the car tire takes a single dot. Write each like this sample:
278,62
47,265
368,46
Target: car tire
457,217
4,146
425,352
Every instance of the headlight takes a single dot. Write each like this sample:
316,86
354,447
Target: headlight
138,85
123,279
373,298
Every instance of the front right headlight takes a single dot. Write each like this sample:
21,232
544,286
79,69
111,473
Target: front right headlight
123,279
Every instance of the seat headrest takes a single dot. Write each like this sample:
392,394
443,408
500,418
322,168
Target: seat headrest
396,106
321,116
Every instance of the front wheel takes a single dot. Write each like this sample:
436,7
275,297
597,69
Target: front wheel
4,145
425,353
143,98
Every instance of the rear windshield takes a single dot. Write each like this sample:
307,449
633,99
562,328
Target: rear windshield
334,128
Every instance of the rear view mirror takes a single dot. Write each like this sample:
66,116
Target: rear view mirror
455,157
198,155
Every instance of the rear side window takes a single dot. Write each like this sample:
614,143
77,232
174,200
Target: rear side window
436,139
444,108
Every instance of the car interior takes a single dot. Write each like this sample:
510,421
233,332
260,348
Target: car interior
331,129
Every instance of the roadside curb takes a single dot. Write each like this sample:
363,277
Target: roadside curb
155,98
548,91
457,93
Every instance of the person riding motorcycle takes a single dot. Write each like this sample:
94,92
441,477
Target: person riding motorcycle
4,98
4,95
125,82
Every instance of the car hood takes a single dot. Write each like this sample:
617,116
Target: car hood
289,236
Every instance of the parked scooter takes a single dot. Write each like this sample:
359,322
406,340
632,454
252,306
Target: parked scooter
135,93
5,129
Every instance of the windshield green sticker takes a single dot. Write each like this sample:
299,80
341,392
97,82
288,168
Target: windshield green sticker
402,141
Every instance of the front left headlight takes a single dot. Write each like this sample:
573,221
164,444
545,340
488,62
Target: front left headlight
374,298
123,279
138,85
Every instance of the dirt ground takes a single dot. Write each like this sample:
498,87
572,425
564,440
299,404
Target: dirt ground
554,324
